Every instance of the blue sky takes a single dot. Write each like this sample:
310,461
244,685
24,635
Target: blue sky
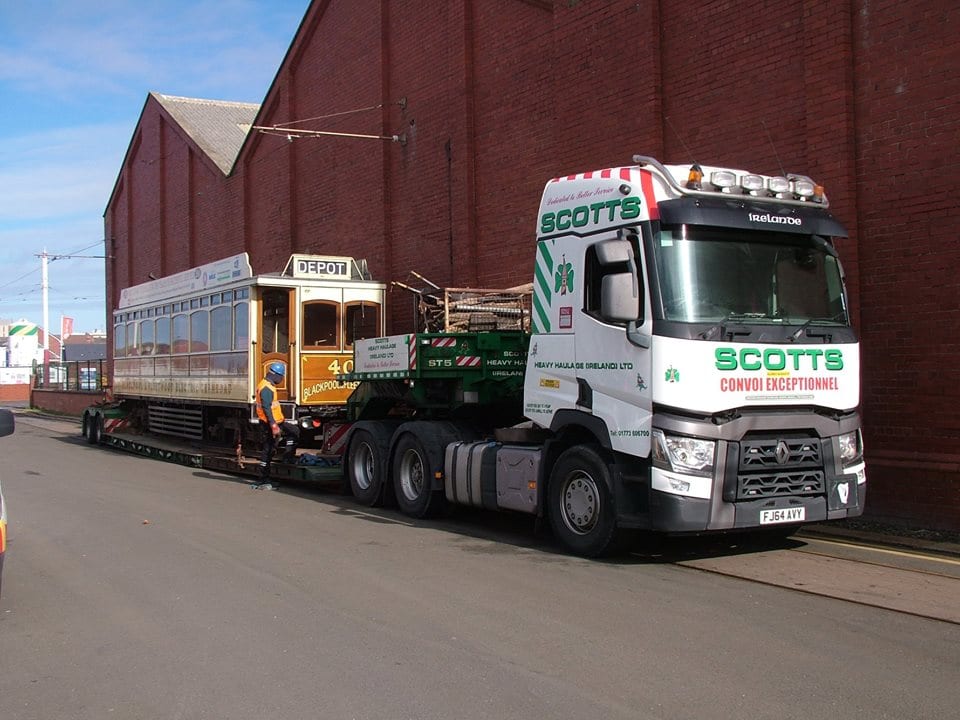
73,79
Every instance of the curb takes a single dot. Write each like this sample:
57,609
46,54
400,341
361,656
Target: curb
902,542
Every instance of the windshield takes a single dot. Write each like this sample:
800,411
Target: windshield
715,274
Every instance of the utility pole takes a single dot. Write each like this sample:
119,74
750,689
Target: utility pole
44,287
46,308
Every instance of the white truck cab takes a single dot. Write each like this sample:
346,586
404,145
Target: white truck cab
694,321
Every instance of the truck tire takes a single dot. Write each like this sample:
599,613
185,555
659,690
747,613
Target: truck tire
368,463
417,456
581,505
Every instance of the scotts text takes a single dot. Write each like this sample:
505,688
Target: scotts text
628,208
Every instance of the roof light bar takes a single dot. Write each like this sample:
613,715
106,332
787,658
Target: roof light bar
792,189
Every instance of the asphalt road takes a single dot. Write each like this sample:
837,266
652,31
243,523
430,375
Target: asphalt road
139,589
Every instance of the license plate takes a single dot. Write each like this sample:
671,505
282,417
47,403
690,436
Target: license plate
782,515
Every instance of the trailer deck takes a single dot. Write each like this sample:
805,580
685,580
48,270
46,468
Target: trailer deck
321,469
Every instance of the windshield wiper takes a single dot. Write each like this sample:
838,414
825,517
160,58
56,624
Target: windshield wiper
795,335
721,327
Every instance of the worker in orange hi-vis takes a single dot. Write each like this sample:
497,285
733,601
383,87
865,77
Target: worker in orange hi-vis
275,430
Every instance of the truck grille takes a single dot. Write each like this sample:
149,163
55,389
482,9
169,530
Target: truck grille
778,467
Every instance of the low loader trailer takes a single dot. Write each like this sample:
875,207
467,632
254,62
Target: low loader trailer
113,430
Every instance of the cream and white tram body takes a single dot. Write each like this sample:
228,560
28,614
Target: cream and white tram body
189,349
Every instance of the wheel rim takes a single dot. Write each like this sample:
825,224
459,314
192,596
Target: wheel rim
362,466
580,503
411,475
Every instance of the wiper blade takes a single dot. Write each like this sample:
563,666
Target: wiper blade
795,335
720,328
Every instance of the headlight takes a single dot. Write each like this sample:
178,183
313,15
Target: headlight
683,454
851,448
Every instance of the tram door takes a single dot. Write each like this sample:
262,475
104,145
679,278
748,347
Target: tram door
276,331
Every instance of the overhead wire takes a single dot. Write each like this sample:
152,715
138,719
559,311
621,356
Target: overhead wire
265,156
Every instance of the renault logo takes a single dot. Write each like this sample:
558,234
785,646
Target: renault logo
782,452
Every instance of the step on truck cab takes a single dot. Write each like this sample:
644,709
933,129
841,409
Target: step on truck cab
690,368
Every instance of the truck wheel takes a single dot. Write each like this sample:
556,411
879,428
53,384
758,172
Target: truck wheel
414,463
581,507
367,464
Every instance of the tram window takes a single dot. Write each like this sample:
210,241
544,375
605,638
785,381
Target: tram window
119,341
200,331
163,335
241,323
181,334
146,337
221,328
320,324
130,344
362,321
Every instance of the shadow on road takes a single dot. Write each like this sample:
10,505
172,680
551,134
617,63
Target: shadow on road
511,532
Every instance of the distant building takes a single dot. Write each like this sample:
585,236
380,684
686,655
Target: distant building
89,346
23,344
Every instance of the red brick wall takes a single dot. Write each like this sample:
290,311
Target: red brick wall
501,95
14,393
907,105
63,402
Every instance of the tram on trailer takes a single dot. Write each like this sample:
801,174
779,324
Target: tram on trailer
190,348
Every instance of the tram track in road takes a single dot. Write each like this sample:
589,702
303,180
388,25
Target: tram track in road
904,581
951,566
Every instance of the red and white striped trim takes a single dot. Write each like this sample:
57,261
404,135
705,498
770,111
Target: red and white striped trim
412,344
468,361
623,173
112,425
334,437
443,342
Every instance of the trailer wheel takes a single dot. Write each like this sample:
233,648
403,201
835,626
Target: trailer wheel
367,462
417,457
582,508
92,427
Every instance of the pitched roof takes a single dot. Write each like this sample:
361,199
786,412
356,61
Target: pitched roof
216,126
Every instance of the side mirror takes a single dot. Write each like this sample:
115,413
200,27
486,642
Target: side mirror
7,423
618,298
614,251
